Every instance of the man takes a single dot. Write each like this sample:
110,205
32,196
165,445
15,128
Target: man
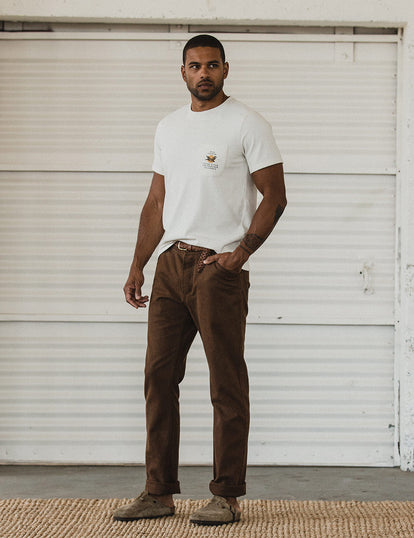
210,158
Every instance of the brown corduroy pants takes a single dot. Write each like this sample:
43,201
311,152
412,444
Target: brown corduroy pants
213,302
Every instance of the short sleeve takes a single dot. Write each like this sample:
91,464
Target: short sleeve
259,145
157,165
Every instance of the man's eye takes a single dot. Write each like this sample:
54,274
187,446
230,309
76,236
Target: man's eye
193,66
213,65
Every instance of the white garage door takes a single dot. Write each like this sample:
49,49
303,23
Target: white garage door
78,113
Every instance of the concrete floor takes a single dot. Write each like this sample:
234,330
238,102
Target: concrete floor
290,482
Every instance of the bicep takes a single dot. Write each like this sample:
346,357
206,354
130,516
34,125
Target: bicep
270,181
156,193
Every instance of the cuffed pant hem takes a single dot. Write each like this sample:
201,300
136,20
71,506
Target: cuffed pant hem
159,488
228,490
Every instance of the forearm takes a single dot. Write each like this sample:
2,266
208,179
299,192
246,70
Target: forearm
264,220
150,232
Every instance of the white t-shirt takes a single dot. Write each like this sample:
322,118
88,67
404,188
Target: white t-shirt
207,159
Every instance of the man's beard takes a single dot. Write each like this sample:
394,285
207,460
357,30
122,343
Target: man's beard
207,96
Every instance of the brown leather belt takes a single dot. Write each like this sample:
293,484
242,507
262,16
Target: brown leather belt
185,246
204,253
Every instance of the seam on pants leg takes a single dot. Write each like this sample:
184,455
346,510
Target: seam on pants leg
241,294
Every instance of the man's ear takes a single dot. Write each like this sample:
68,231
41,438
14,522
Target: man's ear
226,69
183,73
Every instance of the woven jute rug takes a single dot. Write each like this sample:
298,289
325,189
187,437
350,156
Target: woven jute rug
90,518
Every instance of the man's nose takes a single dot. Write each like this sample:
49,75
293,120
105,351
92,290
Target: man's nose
203,71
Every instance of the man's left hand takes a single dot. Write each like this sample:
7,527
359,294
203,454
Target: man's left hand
232,261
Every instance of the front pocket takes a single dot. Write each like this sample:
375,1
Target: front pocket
224,271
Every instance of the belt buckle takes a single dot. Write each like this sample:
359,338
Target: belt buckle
178,246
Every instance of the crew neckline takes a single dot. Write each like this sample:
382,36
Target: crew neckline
210,110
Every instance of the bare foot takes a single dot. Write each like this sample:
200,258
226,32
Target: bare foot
164,499
233,502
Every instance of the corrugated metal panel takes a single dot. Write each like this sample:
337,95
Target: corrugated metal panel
93,104
331,257
74,392
67,240
84,110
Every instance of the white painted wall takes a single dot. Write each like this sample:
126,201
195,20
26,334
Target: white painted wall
373,13
321,12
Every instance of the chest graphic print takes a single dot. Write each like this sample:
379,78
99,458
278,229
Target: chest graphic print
210,161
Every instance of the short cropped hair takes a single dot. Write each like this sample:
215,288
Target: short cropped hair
203,40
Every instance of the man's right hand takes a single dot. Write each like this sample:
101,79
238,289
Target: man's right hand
132,289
